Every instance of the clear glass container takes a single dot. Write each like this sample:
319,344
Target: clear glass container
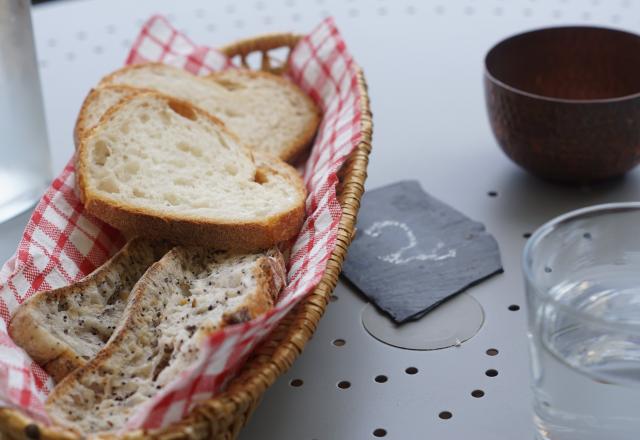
24,154
582,277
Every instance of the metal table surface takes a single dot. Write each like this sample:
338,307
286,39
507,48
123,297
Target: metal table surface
423,63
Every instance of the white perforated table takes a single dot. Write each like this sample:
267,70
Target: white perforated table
423,63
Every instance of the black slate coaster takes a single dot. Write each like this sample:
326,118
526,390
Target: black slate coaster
412,251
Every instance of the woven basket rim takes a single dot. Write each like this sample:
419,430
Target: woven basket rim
224,415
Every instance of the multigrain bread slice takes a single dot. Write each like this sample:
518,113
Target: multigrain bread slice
63,328
268,113
97,102
183,298
161,168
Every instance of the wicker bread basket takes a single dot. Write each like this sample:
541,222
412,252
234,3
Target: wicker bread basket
224,416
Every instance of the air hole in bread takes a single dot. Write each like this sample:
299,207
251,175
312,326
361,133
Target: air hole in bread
178,163
184,110
182,181
261,176
231,168
166,118
137,192
222,140
124,128
183,146
231,113
164,361
109,185
132,167
172,198
101,152
229,85
144,118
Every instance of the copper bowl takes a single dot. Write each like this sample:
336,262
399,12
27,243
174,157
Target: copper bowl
564,102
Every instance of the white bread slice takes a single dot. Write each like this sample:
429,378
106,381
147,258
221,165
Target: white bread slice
97,102
63,328
268,113
161,168
184,297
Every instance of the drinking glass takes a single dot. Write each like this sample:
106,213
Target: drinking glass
582,279
24,154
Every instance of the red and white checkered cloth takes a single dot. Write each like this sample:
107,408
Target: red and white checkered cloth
62,243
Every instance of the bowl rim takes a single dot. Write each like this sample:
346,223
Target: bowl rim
490,77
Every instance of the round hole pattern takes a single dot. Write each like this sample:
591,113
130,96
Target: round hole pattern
445,415
526,234
514,307
380,432
344,384
491,372
492,352
296,383
547,269
492,193
411,370
381,378
339,342
587,235
477,393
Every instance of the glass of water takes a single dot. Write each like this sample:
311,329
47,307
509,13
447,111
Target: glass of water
24,155
582,275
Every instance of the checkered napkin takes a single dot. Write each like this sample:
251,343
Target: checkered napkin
62,243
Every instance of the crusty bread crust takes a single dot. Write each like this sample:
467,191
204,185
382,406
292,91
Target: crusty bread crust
236,235
81,128
298,146
108,79
43,347
64,405
28,331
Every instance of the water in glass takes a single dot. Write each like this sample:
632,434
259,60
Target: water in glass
584,329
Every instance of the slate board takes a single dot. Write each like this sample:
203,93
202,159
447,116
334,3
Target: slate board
412,252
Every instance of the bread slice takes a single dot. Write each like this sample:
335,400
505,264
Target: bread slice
161,168
63,328
268,113
183,298
97,102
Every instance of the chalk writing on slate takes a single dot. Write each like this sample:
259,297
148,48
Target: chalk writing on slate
412,251
398,257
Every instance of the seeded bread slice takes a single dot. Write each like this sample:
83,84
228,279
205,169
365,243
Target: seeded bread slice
183,298
97,102
268,113
63,328
161,168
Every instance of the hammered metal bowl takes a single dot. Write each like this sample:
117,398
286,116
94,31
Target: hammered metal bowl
564,102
